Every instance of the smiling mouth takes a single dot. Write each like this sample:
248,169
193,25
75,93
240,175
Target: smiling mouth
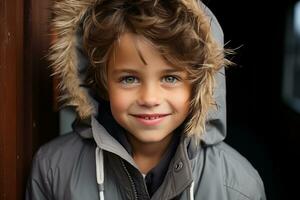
150,120
150,116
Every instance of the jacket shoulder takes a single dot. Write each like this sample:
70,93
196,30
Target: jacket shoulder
63,149
239,176
56,163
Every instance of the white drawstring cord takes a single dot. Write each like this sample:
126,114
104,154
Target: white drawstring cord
192,191
100,172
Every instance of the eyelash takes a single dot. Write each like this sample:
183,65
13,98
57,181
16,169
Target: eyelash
175,78
125,78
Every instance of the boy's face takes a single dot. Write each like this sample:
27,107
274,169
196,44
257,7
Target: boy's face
148,96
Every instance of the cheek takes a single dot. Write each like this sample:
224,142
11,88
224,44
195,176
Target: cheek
119,100
183,103
180,101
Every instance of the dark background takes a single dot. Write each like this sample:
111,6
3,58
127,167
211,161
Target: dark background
260,125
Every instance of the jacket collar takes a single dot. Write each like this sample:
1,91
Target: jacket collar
106,142
179,175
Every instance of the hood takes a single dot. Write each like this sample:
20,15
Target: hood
70,64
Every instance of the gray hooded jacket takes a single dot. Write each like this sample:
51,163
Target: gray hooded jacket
90,164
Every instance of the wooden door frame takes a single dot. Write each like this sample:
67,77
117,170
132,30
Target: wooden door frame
27,119
11,101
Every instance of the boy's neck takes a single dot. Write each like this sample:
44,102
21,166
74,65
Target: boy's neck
148,155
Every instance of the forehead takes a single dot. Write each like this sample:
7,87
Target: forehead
136,50
129,47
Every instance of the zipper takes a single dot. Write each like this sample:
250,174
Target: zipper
145,186
131,180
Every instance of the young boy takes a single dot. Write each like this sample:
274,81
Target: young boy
149,90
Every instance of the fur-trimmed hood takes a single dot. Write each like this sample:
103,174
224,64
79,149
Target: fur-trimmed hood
70,64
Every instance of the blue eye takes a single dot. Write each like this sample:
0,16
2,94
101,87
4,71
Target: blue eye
129,80
170,79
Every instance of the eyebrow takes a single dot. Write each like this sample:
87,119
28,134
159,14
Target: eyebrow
172,70
129,71
133,71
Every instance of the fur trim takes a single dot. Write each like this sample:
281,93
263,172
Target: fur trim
67,17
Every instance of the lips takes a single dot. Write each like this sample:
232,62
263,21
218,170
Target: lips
150,116
150,119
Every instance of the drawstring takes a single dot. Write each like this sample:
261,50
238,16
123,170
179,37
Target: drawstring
100,171
192,191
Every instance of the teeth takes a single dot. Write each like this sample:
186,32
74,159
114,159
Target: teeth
150,118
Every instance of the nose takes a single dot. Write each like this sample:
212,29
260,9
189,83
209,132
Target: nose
149,96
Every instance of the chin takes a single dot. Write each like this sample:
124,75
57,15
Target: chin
151,137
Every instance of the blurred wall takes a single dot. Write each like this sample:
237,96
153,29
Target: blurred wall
260,124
